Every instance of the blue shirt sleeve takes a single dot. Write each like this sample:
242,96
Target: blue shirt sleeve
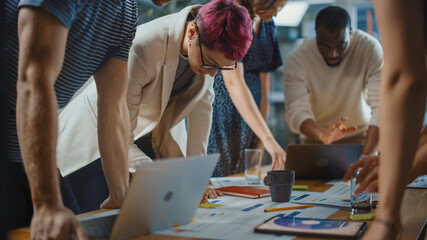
65,10
131,22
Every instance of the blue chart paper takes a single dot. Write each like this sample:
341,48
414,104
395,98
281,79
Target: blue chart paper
419,182
282,224
306,223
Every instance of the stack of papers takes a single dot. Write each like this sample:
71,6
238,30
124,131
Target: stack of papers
237,218
231,181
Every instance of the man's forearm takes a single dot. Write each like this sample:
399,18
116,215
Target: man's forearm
37,132
371,142
313,130
42,40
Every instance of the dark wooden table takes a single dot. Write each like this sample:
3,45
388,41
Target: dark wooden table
414,214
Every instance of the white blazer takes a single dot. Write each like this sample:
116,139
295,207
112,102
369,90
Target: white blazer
153,61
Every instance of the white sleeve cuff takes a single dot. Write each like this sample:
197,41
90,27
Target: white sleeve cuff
136,157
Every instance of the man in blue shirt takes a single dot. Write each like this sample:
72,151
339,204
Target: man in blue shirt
52,47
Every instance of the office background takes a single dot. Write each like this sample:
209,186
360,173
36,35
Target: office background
294,23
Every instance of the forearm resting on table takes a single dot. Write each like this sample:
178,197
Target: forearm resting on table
113,132
114,125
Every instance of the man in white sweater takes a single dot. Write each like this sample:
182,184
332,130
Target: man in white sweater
333,78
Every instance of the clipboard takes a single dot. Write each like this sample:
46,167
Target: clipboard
311,227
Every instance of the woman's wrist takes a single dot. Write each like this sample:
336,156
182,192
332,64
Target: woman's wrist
267,138
387,214
392,225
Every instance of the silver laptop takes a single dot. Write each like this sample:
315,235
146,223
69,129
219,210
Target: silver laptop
321,161
162,194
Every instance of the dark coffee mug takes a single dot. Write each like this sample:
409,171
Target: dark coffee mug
280,183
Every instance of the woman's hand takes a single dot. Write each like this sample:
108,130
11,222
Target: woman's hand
212,193
276,152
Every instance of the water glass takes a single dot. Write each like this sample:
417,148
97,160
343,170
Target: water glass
362,202
252,166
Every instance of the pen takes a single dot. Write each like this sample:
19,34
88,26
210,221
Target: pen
343,126
287,208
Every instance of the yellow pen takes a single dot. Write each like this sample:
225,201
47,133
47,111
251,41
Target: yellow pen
287,208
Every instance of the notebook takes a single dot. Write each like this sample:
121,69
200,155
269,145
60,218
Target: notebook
245,191
161,194
321,161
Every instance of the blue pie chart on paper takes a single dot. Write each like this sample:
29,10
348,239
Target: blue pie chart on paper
307,223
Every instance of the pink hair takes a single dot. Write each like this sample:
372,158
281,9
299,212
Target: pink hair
225,26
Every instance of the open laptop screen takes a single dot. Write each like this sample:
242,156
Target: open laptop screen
321,161
161,194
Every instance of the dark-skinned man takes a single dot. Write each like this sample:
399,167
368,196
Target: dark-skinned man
333,78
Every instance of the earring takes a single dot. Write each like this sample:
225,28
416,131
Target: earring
189,42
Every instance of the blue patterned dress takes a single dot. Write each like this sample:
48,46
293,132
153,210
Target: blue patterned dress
230,134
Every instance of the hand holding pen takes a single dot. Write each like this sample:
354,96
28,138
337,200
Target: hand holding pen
337,131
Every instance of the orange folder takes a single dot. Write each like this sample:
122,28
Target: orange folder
245,191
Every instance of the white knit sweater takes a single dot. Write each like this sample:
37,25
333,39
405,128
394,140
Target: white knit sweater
313,90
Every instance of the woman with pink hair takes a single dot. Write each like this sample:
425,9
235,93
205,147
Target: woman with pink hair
172,62
240,105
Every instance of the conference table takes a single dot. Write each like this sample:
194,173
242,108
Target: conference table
413,213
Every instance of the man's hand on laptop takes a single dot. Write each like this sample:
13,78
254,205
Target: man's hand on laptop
212,193
337,131
56,223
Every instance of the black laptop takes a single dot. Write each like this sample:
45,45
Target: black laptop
321,161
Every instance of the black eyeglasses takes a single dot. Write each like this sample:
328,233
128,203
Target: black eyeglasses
208,66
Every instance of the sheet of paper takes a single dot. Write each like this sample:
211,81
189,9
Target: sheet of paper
336,196
237,218
419,182
231,181
335,181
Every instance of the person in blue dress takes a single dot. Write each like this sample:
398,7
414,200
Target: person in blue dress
240,105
